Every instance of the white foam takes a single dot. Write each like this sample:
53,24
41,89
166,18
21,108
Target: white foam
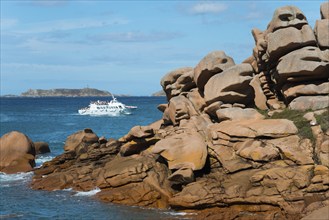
88,193
177,213
68,190
5,178
41,159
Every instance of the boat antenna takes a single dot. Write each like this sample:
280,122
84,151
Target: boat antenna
113,96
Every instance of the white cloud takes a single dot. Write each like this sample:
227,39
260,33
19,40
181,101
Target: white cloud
48,3
68,24
7,23
208,8
136,36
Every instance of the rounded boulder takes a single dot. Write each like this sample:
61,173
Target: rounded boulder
17,153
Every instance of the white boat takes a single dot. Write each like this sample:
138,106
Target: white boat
113,107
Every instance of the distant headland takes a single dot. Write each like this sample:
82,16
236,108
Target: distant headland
64,92
85,92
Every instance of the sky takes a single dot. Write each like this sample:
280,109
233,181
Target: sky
124,47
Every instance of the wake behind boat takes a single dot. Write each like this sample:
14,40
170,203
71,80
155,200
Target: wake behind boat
113,107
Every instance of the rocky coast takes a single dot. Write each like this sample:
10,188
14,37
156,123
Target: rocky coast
236,141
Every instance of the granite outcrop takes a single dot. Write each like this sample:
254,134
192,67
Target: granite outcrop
221,148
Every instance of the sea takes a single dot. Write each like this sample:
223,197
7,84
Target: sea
52,120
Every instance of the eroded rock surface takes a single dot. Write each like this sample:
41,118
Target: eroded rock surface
17,153
213,149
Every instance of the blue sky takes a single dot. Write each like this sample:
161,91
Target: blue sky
124,47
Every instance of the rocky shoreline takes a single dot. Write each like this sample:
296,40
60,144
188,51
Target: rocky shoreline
236,141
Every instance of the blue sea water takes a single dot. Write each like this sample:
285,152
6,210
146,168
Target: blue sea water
52,120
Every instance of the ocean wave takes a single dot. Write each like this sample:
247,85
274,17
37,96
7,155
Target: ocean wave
7,178
88,193
41,159
177,213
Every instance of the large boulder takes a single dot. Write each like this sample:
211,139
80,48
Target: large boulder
179,108
79,140
135,180
287,31
185,150
287,16
17,153
231,86
289,39
238,114
291,91
308,63
177,81
254,128
303,103
139,132
214,63
41,147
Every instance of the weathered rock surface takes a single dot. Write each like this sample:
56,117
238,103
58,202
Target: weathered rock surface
79,140
212,64
185,150
238,114
308,63
309,102
178,81
212,150
324,10
230,86
17,153
321,31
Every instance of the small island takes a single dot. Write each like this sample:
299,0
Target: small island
85,92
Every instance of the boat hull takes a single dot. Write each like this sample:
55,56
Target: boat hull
103,113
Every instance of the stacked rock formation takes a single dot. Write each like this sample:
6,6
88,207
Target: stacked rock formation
291,60
212,149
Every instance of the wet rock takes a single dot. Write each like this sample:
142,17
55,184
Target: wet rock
41,147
